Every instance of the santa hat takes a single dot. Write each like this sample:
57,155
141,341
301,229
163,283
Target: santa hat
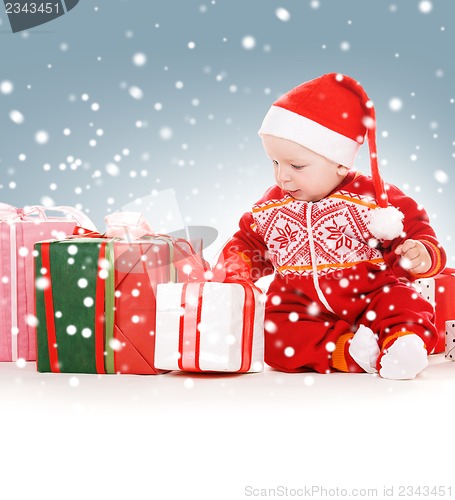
331,116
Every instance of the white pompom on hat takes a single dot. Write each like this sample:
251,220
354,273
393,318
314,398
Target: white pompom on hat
331,116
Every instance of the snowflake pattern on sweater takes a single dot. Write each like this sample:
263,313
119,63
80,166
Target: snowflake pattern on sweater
327,235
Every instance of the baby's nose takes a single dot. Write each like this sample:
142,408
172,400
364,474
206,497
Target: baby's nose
283,173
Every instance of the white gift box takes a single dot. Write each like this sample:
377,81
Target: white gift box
450,340
209,327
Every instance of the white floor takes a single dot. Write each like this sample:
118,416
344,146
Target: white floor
227,437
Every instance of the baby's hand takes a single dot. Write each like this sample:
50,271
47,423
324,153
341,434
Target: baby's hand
414,257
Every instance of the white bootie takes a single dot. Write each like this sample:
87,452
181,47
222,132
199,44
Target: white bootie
405,358
364,349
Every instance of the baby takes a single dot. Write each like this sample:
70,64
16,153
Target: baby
344,247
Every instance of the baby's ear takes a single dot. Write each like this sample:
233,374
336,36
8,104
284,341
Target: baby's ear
342,170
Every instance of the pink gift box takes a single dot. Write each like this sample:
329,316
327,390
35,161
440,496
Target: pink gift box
20,229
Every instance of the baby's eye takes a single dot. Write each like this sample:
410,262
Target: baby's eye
297,167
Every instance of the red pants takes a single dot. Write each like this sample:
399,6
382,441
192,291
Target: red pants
300,331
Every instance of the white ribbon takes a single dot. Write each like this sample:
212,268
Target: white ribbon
13,291
127,226
11,213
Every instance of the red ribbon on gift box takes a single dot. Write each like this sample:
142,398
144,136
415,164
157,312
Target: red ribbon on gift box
189,335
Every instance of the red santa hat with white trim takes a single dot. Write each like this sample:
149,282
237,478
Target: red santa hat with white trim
331,115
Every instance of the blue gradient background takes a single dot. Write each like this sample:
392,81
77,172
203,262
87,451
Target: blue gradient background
214,160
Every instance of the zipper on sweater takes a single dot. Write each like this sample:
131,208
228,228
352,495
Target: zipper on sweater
314,258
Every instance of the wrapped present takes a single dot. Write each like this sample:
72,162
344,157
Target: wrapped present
440,292
450,340
214,327
20,229
95,299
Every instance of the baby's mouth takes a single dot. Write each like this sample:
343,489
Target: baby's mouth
293,193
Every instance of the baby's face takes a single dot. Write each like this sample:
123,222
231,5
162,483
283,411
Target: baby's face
300,172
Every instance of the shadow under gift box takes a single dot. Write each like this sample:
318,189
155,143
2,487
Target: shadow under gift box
95,303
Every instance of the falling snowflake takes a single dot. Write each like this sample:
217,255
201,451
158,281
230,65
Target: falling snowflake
112,169
139,59
166,133
270,326
71,330
289,352
42,137
276,300
425,7
115,344
282,14
6,87
72,249
344,283
308,380
188,383
86,333
441,176
314,309
371,315
21,363
136,92
23,252
16,117
330,346
248,42
293,317
395,104
31,320
47,201
82,283
230,340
